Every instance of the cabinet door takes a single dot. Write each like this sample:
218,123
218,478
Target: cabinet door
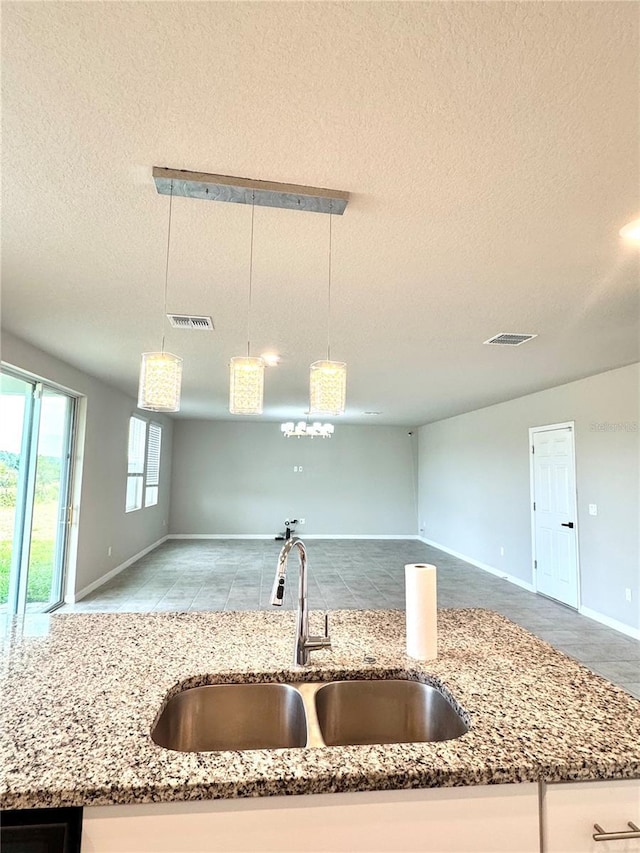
570,810
482,819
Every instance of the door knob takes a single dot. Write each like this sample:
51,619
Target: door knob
567,524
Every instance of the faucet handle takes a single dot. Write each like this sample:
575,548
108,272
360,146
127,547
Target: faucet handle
321,642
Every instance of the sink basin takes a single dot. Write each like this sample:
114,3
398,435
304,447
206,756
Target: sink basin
390,711
233,716
285,716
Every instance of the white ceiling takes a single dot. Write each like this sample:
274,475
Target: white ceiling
491,150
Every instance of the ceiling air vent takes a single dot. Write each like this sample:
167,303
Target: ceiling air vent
190,321
510,339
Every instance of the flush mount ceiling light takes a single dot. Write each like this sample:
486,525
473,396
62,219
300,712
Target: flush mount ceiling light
303,429
271,359
631,232
328,379
246,380
161,372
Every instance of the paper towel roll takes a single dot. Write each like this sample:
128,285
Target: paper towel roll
421,612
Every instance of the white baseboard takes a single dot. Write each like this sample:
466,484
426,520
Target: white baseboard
71,599
484,566
220,536
299,534
358,536
584,611
609,622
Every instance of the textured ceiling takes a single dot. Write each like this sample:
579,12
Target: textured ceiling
491,150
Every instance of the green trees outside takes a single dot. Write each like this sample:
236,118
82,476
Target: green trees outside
9,465
44,527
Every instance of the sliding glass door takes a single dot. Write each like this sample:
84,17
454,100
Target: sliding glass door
35,467
16,402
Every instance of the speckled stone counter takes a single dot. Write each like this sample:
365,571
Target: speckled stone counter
80,694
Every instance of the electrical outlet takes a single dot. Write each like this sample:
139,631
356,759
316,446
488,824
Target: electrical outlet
593,509
109,551
302,521
502,550
295,469
627,594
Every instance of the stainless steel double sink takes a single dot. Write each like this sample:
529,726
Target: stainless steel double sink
285,716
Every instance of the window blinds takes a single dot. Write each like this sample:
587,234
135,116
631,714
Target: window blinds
152,482
153,454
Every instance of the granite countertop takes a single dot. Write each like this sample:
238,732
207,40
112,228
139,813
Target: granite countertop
80,693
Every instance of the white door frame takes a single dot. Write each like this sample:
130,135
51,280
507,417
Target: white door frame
534,573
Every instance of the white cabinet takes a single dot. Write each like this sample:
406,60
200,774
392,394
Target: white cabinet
480,819
570,810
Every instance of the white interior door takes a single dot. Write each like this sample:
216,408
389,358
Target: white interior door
555,513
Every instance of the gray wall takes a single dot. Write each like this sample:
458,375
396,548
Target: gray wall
474,484
101,464
238,478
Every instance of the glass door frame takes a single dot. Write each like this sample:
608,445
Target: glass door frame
25,498
65,506
20,555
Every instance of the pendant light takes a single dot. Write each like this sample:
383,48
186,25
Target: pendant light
328,379
161,372
303,429
246,380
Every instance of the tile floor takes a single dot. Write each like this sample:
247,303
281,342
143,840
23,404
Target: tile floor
238,575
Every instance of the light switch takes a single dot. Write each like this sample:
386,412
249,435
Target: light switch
593,509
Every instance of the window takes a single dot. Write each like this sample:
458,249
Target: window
135,469
143,464
152,480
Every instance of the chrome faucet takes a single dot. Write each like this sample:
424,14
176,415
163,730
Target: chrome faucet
304,642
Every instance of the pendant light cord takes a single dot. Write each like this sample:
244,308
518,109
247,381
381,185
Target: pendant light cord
329,291
253,210
166,269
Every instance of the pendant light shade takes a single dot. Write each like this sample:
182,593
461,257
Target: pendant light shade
161,372
327,388
246,385
160,381
328,379
246,380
